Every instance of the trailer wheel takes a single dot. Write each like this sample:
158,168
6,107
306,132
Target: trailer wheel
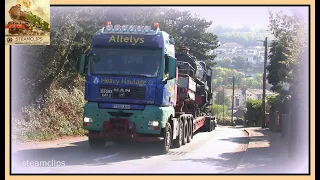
166,144
191,127
190,130
96,143
185,132
178,141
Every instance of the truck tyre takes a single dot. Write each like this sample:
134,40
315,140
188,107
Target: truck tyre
213,125
190,132
96,143
208,126
185,132
166,144
192,128
178,141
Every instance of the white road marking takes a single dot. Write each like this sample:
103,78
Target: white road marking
107,157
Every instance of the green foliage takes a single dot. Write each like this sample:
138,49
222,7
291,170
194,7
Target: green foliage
239,121
219,110
240,62
286,49
60,115
45,78
221,77
254,113
221,99
272,102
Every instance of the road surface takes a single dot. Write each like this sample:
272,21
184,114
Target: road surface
219,151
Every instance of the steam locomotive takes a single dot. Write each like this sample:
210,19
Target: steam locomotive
26,23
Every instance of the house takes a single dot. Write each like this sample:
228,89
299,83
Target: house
256,94
242,95
238,97
239,113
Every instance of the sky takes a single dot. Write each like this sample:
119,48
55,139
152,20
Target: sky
255,17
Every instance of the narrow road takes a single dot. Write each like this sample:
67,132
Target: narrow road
219,151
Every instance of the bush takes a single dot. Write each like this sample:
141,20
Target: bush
219,110
226,122
254,114
239,121
60,115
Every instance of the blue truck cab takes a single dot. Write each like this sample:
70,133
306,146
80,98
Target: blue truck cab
130,85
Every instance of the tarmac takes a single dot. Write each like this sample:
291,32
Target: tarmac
267,153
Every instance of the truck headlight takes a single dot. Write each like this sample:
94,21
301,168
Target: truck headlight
153,123
87,119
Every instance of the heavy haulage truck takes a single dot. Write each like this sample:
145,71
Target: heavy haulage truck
139,87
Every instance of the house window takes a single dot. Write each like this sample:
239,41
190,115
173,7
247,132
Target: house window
237,102
259,96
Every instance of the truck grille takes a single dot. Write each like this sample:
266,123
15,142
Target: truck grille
114,92
118,126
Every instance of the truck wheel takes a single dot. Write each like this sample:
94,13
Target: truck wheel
209,126
178,141
192,128
190,131
185,133
213,125
166,144
96,143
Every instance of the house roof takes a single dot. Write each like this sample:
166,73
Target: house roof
231,44
259,91
237,92
239,113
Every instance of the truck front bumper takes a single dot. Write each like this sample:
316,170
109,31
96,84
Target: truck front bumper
121,130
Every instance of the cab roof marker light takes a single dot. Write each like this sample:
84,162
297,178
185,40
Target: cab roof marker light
108,23
124,28
156,26
147,29
109,27
139,28
131,28
117,27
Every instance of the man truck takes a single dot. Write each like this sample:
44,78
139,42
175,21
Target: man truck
136,89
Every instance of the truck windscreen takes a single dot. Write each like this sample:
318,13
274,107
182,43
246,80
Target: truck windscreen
133,61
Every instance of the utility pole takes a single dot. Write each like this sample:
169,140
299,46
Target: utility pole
263,123
223,105
232,98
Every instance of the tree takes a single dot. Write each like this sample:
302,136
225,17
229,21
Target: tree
240,62
220,110
288,56
71,33
226,62
284,54
221,77
221,98
254,112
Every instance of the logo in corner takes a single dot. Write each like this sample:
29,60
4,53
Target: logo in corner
9,40
96,80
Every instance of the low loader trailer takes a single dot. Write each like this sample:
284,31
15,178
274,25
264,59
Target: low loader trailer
133,91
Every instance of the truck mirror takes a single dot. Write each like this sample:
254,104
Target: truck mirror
82,64
172,67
